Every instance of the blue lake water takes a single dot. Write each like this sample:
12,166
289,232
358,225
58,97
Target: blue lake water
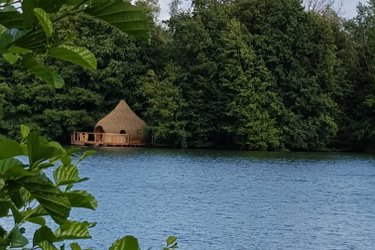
231,200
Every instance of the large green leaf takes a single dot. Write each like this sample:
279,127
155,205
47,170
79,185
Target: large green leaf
86,154
46,245
66,160
4,208
64,175
77,55
82,199
28,12
16,195
9,148
122,15
74,246
18,50
44,233
47,5
18,172
44,21
10,58
39,220
4,241
7,164
18,240
171,240
39,211
8,37
44,73
39,149
3,232
32,41
49,197
11,19
25,131
71,230
17,216
125,243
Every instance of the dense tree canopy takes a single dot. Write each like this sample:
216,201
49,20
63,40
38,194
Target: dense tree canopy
251,74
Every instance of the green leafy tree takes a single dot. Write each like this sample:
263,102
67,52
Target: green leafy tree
194,52
359,125
298,50
251,106
163,106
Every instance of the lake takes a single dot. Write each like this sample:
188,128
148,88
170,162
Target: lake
231,200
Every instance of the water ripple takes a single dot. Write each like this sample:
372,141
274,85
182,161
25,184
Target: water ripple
232,200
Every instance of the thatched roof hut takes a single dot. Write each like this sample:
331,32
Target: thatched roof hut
122,120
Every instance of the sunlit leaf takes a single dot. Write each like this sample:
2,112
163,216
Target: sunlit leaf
77,55
171,240
44,21
122,15
85,154
17,172
46,245
73,230
125,243
82,199
74,246
66,160
18,50
64,175
25,131
10,58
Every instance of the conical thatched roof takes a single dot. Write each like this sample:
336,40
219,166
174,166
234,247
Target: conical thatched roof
122,118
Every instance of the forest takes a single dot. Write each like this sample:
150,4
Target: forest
247,74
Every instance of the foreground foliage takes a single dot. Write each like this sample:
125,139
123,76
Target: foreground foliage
29,195
27,30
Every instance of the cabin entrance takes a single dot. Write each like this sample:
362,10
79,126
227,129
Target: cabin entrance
99,133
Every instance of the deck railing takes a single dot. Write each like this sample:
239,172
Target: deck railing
87,138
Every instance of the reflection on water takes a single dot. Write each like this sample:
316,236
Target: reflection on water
232,200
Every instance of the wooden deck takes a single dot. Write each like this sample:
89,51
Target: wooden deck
104,140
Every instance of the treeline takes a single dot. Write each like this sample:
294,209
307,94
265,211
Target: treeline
251,74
